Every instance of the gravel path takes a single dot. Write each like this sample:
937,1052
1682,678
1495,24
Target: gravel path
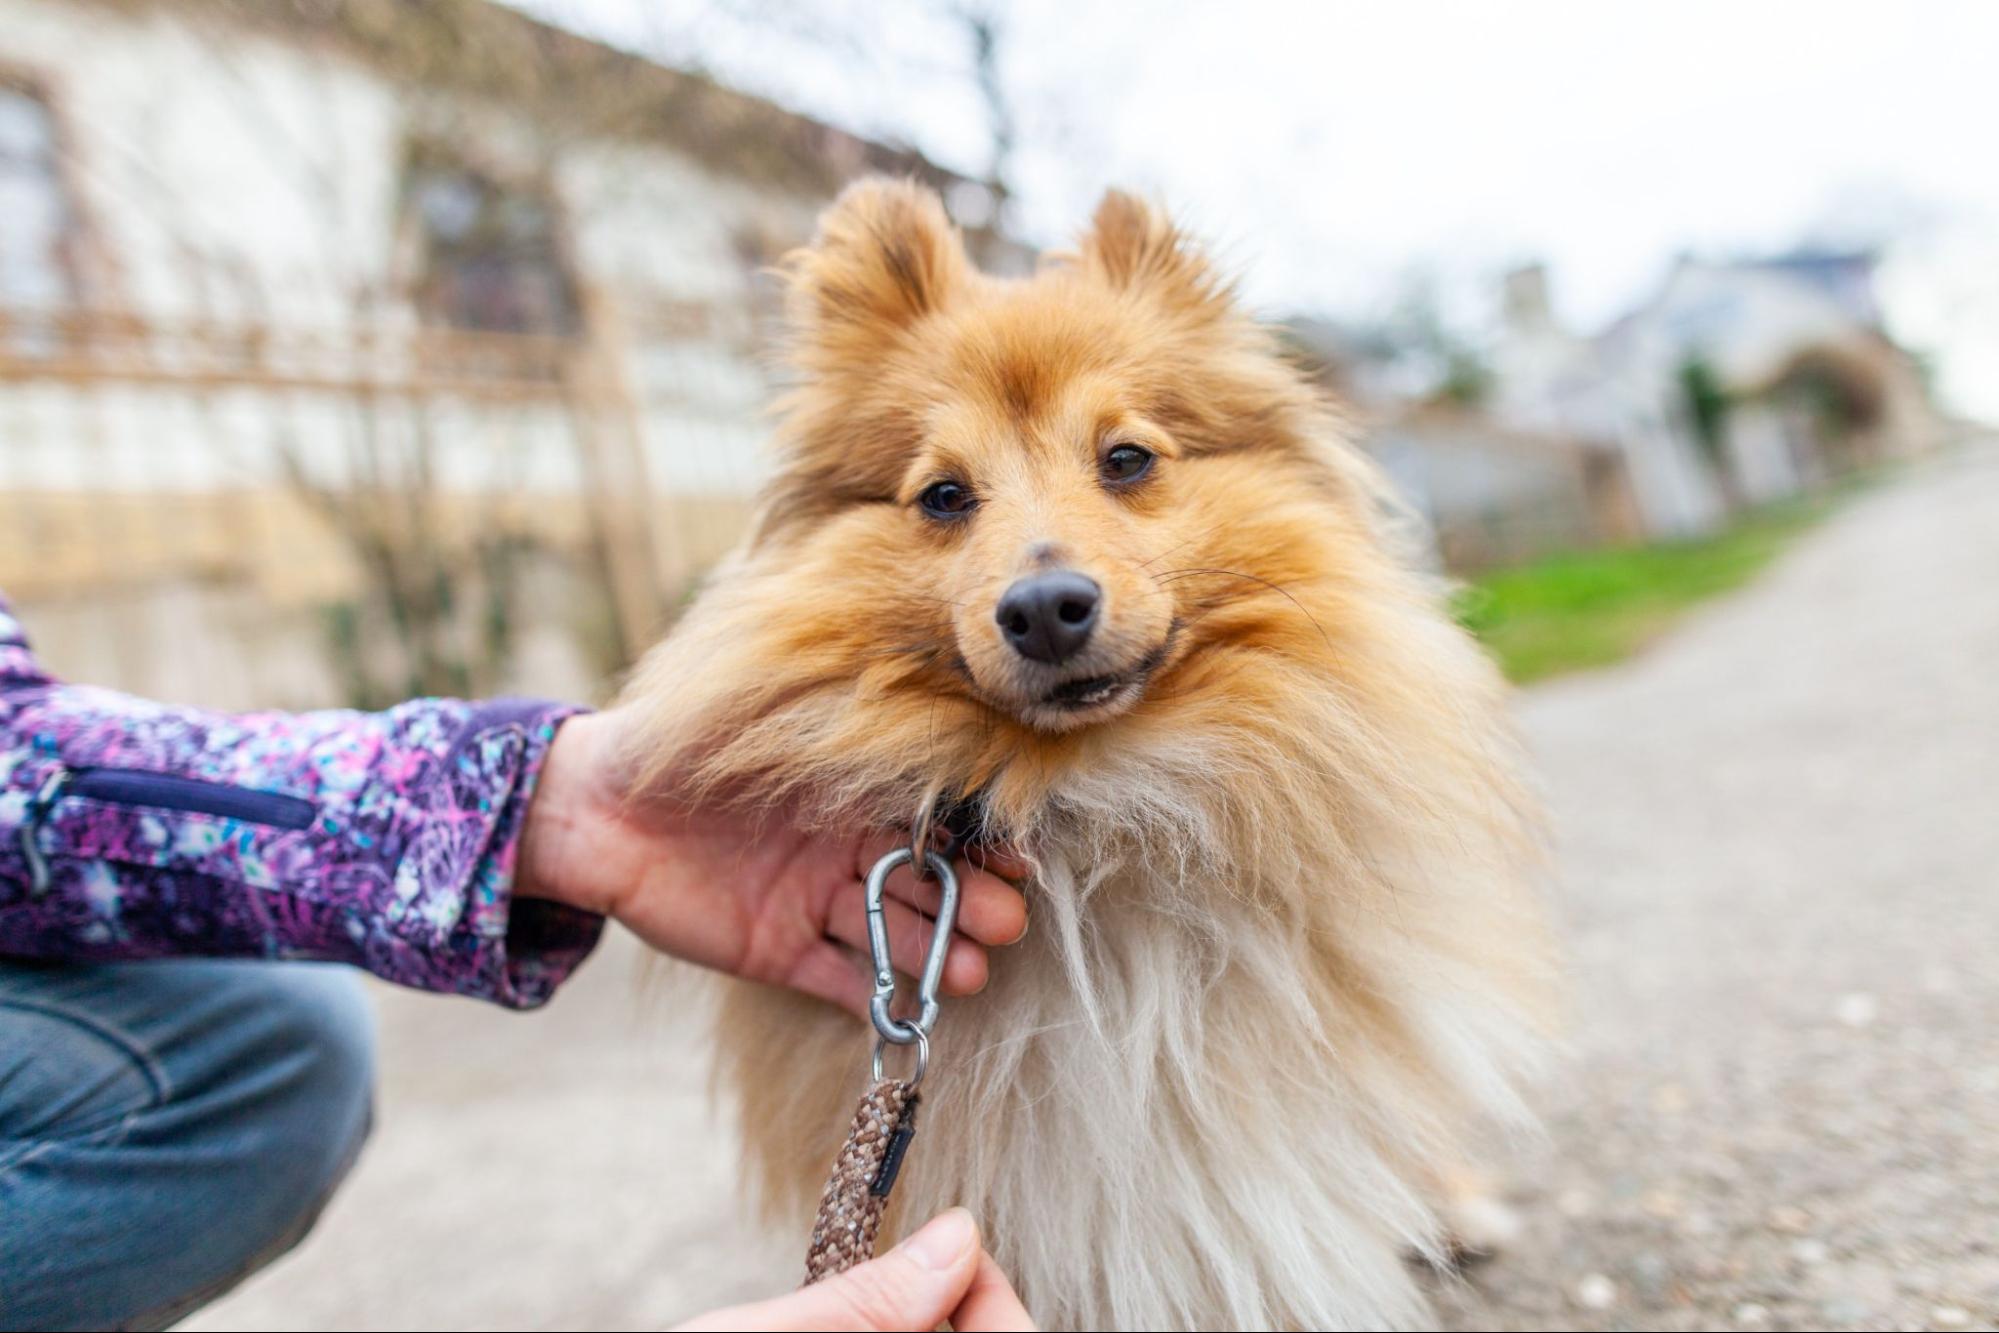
1779,835
1780,838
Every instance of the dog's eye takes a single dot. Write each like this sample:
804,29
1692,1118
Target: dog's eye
1127,463
947,500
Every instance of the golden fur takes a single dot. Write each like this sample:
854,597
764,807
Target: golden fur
1285,948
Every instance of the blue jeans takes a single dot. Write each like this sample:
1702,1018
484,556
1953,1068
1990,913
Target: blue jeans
168,1128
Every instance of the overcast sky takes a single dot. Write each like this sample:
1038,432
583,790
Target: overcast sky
1332,150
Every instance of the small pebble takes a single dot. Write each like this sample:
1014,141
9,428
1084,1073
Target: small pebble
1950,1316
1574,1203
1789,1218
1751,1315
1651,1274
1809,1251
1596,1292
1857,1009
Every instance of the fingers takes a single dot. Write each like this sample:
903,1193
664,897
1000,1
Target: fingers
914,1286
873,848
909,936
990,1305
990,910
827,972
1000,860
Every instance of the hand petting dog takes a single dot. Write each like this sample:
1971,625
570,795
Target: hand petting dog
758,897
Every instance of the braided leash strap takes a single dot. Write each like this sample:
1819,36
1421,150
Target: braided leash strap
850,1211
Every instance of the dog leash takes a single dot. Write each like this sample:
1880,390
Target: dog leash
857,1191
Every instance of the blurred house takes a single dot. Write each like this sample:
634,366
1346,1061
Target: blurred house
1488,492
1496,495
1739,383
354,348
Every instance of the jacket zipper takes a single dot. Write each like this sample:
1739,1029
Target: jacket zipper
159,791
165,791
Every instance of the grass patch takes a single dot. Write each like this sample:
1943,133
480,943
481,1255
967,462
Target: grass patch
1592,608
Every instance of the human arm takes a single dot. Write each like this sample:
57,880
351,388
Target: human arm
132,829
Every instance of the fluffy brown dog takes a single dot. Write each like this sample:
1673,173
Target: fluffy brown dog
1084,545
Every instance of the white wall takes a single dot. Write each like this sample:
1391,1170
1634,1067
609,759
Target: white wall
239,177
224,177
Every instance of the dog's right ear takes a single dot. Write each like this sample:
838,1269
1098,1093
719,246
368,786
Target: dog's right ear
885,256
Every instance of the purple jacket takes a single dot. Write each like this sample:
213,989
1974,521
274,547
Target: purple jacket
139,830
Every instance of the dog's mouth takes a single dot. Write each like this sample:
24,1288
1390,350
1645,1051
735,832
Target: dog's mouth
1088,693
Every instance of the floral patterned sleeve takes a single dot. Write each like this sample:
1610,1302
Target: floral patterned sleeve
131,829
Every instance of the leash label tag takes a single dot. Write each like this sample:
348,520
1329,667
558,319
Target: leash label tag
891,1166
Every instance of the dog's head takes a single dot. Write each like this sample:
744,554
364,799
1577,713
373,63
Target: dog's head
1048,497
1084,539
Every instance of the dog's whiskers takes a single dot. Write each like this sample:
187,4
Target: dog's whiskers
1175,575
932,597
1180,545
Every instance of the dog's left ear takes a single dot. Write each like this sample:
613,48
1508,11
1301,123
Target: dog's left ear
1133,245
885,256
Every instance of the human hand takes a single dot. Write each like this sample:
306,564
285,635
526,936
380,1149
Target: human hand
758,898
940,1273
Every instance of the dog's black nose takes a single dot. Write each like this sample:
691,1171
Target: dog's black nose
1048,617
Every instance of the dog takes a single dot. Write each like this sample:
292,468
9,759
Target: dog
1086,549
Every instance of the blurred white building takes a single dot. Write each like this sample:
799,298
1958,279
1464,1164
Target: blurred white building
1740,383
1488,492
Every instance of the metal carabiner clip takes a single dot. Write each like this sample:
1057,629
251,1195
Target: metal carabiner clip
888,1028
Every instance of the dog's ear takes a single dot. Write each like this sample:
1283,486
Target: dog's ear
885,256
1135,246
